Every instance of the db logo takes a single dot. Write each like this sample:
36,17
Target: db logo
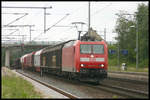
92,59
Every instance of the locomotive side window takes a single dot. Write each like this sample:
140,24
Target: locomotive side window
85,48
98,49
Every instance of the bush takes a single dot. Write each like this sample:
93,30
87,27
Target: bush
144,63
112,62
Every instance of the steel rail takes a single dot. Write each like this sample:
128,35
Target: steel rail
128,80
125,91
132,73
69,95
128,90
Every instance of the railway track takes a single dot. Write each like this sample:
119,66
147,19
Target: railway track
132,77
130,93
69,95
128,80
108,88
126,87
110,85
130,73
122,91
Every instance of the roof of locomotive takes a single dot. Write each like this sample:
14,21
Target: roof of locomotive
102,41
92,42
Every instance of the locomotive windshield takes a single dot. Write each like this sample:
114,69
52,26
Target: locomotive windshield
91,48
85,48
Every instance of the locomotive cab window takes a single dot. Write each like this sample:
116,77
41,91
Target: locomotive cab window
94,48
85,48
98,49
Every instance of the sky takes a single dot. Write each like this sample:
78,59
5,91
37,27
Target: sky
61,14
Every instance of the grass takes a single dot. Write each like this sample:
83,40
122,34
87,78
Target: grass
115,97
16,87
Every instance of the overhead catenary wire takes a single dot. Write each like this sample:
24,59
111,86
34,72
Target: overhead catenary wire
19,26
36,8
52,25
13,31
72,13
57,22
62,33
27,7
6,36
67,29
101,9
30,8
75,11
9,29
16,19
15,13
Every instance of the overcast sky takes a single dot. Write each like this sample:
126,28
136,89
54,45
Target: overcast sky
102,16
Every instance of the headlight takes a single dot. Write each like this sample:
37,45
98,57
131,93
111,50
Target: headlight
82,65
102,65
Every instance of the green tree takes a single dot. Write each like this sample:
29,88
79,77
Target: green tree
142,19
127,36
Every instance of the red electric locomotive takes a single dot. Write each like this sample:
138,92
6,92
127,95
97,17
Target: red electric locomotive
86,60
83,60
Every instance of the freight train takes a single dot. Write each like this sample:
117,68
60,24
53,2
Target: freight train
82,60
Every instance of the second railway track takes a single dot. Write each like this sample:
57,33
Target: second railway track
131,73
130,93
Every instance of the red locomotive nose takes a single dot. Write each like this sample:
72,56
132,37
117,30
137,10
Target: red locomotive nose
92,55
